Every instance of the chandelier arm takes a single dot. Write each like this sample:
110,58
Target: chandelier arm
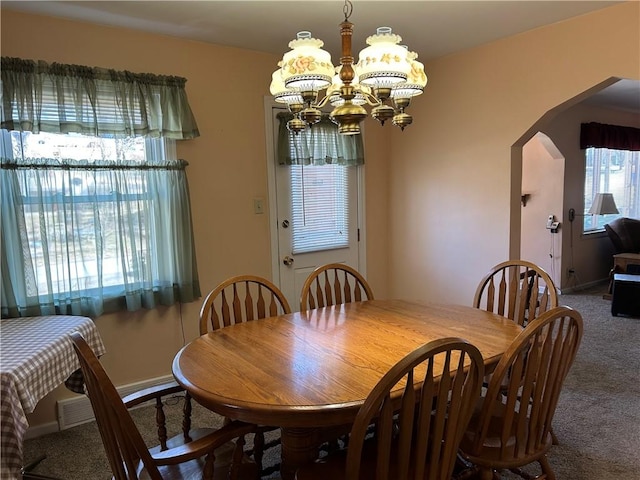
371,99
323,101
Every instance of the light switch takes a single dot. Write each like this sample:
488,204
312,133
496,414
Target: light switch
258,206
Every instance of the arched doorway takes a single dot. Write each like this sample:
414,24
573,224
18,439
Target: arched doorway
587,256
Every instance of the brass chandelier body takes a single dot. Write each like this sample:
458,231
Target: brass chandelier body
387,72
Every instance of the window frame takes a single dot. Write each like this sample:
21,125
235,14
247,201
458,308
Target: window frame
160,149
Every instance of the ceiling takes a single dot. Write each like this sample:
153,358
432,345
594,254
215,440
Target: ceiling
432,28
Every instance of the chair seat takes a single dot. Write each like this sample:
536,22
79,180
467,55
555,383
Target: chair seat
512,427
492,447
333,466
417,432
195,434
193,470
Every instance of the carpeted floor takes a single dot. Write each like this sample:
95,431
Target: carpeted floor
597,420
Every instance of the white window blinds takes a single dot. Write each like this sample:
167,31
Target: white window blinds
319,205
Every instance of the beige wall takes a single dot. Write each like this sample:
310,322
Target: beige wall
439,194
553,173
455,191
227,169
590,255
543,179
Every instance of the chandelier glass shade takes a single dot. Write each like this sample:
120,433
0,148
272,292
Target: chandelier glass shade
385,78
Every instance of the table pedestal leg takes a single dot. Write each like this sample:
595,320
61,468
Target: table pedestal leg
299,447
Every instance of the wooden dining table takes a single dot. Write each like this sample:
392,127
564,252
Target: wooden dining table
308,372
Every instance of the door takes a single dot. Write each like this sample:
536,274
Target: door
315,220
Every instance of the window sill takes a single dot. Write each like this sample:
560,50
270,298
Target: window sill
600,233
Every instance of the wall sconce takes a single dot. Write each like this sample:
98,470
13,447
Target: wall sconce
524,198
603,204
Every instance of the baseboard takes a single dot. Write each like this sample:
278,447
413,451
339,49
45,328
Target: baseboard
40,430
78,410
583,286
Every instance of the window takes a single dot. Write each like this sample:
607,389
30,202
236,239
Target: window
616,172
95,205
612,165
71,215
319,159
319,206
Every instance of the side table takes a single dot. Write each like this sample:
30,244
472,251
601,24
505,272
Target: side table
626,295
621,262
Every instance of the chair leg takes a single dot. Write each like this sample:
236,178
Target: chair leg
525,475
486,474
186,417
258,448
554,439
27,474
546,468
238,452
469,473
161,424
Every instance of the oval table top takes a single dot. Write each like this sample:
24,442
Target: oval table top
316,368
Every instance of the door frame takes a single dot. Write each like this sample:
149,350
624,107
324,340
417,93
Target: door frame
269,105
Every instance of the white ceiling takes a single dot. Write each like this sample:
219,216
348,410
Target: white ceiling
432,28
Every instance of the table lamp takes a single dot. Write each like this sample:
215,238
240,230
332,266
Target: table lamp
603,204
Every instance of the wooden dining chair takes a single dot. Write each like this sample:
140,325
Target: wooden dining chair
519,290
420,409
334,284
239,299
195,453
516,289
512,427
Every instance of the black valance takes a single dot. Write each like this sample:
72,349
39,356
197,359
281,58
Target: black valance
616,137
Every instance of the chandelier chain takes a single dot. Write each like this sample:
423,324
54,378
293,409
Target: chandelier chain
347,9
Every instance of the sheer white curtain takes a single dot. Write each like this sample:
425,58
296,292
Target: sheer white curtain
95,206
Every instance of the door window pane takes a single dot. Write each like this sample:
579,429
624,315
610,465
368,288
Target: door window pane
319,205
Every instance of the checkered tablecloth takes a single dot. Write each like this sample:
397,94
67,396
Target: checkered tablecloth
36,356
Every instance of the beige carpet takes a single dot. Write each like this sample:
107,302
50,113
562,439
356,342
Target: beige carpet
597,420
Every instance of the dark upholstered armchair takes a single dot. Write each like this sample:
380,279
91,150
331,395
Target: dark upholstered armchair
624,234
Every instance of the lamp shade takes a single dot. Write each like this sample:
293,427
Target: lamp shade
281,93
384,62
307,67
603,204
416,79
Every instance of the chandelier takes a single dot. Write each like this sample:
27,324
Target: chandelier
386,77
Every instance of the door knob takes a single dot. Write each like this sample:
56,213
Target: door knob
288,261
